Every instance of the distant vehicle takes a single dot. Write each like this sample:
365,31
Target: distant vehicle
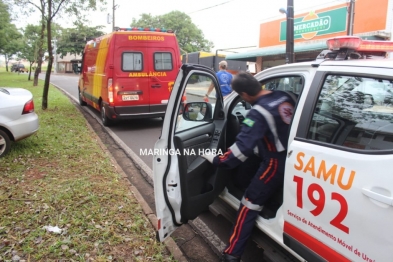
17,117
19,68
129,73
212,60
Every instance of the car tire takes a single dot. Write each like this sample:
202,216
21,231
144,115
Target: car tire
105,120
81,102
5,143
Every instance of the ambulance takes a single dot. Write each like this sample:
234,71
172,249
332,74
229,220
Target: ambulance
129,73
336,203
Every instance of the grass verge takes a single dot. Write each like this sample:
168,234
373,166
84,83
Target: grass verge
61,177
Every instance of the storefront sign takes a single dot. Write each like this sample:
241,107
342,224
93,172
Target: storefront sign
315,24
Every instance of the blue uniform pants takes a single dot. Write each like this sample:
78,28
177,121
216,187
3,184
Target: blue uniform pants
266,181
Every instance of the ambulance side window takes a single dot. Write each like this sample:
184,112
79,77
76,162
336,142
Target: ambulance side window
354,112
163,61
132,61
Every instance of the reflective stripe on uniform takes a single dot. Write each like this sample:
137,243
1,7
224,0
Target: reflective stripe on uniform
272,125
256,151
250,205
237,153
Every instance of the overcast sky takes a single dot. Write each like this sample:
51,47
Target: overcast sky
227,23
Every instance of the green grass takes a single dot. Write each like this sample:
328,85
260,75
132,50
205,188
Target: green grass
61,177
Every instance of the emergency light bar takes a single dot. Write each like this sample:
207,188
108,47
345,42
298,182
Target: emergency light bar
357,44
150,29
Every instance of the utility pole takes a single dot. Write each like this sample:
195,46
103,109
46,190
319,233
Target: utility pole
290,37
290,55
351,15
113,16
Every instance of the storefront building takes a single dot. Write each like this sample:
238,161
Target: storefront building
371,20
66,64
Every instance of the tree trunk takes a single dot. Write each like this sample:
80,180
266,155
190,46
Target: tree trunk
38,68
50,60
40,51
30,67
6,63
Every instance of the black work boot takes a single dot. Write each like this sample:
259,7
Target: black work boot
229,258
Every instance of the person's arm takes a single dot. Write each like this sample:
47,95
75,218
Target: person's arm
209,90
253,129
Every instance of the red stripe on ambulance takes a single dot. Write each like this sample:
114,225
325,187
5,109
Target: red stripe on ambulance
313,244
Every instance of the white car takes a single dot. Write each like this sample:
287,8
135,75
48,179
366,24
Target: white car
337,200
17,117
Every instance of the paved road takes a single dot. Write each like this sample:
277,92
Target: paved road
129,132
137,134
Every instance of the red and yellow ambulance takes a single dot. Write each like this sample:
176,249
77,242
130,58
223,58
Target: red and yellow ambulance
129,73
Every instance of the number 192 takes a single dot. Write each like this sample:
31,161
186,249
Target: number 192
320,201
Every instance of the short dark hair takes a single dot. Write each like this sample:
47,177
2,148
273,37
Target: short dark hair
245,82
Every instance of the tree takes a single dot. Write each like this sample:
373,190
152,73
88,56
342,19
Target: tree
49,9
73,40
4,21
189,36
30,49
9,35
12,44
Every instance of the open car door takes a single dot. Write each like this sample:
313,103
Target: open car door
185,183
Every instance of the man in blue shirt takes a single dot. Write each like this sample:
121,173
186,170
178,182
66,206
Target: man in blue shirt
263,138
224,79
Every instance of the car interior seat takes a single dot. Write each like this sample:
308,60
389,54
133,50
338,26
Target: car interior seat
233,129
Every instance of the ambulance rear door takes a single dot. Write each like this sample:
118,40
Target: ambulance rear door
130,77
338,189
164,65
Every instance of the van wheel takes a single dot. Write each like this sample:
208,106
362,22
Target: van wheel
81,102
105,120
5,143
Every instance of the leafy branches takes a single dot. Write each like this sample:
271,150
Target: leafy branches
73,40
48,10
189,36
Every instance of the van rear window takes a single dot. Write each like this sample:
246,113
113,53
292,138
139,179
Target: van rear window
132,61
163,61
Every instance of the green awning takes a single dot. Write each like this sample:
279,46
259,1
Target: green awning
252,55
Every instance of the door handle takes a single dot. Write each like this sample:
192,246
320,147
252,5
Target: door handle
379,197
156,86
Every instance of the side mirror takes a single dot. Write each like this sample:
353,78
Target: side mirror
198,111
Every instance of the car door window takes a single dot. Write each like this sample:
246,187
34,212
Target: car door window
292,84
196,88
354,112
